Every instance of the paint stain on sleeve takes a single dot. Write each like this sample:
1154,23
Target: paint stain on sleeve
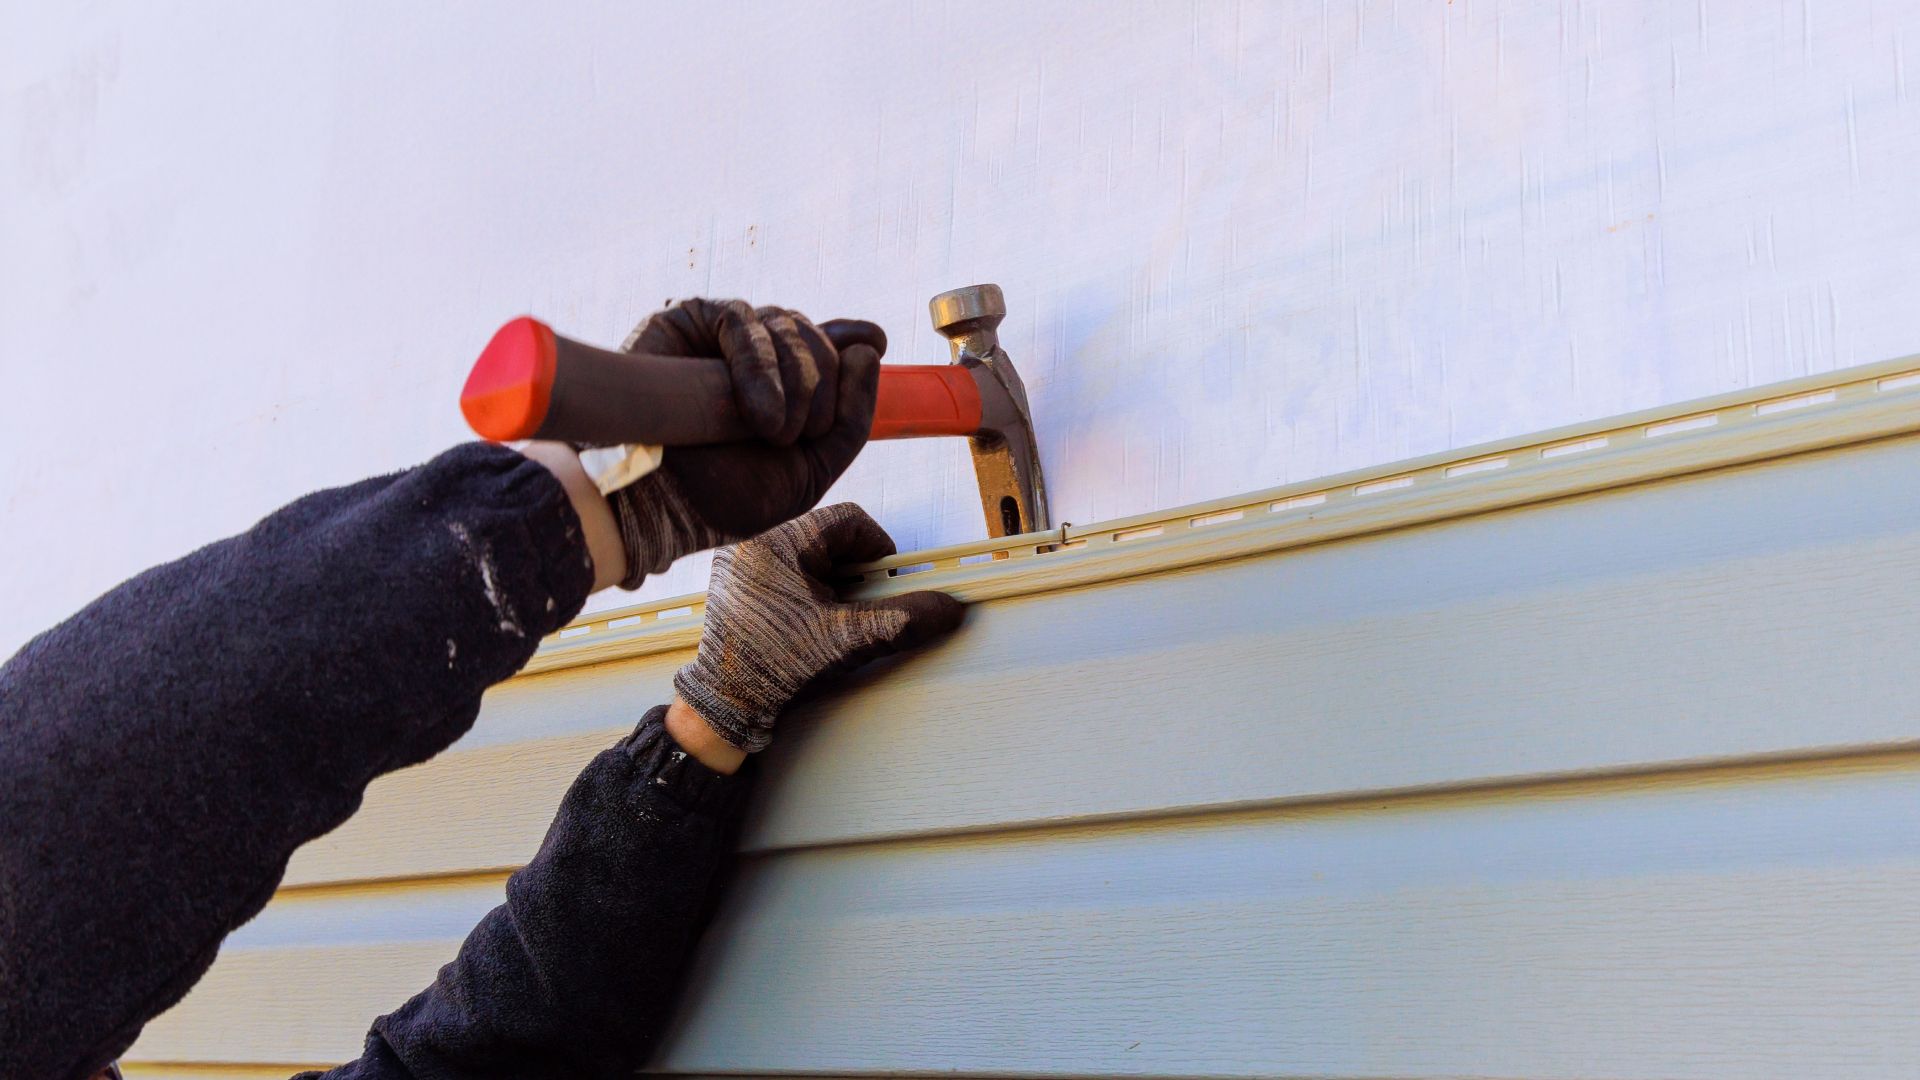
481,556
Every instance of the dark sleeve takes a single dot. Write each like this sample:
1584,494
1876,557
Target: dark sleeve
166,749
575,975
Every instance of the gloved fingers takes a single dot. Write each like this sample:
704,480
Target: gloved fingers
754,362
835,536
658,335
686,328
899,623
799,371
729,330
826,394
785,370
829,455
845,332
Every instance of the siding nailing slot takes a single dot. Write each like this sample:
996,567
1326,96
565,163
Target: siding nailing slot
1898,382
614,624
674,612
1299,501
1580,447
1768,408
1216,519
1685,423
1471,467
1389,484
1138,534
576,631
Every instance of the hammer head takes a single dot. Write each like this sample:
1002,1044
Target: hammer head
1006,459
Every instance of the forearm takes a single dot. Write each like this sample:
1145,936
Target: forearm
576,974
192,727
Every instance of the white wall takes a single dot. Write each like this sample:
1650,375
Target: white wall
250,249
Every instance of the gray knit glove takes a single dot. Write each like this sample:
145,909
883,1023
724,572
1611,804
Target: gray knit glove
806,390
774,627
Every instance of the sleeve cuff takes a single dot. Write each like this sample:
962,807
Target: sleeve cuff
557,537
659,761
522,513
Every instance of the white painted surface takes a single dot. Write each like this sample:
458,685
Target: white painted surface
246,250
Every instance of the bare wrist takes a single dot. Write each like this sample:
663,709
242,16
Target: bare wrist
697,737
600,531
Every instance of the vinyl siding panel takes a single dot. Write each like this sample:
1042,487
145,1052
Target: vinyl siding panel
1613,783
1751,924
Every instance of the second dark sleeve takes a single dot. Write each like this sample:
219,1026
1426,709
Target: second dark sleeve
575,976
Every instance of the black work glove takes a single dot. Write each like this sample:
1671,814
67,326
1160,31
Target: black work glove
774,627
807,391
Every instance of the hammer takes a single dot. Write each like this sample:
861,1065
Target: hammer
531,383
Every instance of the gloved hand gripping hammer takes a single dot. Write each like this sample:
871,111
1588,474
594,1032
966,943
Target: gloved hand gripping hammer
531,383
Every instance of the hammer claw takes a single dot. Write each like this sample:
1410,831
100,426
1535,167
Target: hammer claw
1011,493
1006,458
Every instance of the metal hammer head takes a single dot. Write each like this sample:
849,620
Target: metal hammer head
1006,459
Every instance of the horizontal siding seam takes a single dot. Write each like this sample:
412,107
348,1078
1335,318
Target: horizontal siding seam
1636,779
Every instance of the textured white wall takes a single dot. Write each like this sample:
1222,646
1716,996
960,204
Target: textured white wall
246,250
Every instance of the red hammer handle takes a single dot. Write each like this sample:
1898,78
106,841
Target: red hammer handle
917,401
531,383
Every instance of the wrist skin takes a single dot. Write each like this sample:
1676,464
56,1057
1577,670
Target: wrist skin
597,525
602,534
697,737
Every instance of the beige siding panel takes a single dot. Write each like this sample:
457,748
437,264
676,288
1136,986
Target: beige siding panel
1513,773
474,810
1742,613
1755,932
486,804
297,1004
1749,612
1653,927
